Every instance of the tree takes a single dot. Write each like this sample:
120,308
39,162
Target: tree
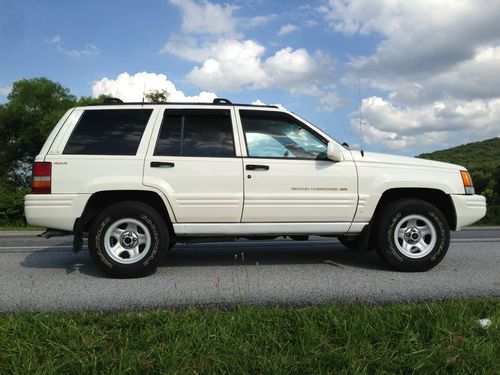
157,96
34,106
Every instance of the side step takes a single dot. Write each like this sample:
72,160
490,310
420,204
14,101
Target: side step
49,233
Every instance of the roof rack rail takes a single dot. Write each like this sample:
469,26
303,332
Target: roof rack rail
112,101
221,101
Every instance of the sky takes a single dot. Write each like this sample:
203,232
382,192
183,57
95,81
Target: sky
394,76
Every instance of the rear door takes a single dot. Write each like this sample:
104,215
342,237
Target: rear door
193,158
287,175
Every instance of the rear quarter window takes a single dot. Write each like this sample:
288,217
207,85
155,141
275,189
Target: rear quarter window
108,132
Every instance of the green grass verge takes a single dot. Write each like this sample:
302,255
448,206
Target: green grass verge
19,227
436,337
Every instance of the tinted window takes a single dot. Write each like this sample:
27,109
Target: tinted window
196,133
269,134
108,132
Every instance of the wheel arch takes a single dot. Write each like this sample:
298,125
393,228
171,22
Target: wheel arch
102,199
435,197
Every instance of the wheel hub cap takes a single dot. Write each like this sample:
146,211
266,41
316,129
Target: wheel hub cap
129,240
413,235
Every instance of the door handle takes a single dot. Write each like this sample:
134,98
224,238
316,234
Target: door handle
257,167
162,164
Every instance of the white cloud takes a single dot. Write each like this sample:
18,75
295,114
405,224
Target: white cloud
56,39
230,64
420,38
213,19
207,18
329,101
5,90
131,87
227,65
287,29
429,126
249,22
89,49
260,102
438,64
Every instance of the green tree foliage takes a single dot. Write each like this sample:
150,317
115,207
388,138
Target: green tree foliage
158,96
33,108
482,159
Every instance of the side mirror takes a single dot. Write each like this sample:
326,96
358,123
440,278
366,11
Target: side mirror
334,152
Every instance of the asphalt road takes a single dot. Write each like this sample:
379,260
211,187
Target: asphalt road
43,275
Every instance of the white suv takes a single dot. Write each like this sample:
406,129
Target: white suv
138,177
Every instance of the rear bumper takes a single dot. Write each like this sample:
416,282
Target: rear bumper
57,211
469,209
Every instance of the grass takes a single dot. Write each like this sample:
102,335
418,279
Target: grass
436,337
19,227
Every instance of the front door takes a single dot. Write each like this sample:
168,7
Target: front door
287,175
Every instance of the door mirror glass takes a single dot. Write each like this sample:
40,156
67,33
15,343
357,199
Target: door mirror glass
334,152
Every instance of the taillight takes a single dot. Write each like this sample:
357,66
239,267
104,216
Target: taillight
41,182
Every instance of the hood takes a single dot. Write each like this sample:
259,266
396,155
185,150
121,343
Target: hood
373,157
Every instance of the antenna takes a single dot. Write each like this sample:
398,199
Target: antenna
359,114
143,93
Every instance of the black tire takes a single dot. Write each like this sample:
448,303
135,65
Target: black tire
414,220
148,241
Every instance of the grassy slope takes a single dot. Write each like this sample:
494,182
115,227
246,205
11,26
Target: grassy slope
437,337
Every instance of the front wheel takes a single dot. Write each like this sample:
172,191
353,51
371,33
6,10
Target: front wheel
412,235
128,239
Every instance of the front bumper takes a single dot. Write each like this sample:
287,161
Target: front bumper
469,208
56,211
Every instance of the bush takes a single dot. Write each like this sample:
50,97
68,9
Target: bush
12,206
492,216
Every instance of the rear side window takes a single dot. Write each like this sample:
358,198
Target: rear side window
108,132
204,133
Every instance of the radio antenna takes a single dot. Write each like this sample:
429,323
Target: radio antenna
143,93
359,114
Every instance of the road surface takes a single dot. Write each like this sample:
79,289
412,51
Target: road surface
44,275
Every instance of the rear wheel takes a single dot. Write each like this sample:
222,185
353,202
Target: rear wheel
412,235
128,239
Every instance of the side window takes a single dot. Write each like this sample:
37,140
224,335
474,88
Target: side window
108,132
204,133
269,134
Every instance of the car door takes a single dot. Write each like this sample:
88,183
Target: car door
193,161
287,175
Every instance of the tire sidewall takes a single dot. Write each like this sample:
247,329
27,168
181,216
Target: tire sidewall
388,248
148,217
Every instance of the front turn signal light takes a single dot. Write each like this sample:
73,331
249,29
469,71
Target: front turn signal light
467,180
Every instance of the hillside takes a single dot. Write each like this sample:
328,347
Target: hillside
482,159
471,155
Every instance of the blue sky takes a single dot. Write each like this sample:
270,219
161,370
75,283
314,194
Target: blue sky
429,72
